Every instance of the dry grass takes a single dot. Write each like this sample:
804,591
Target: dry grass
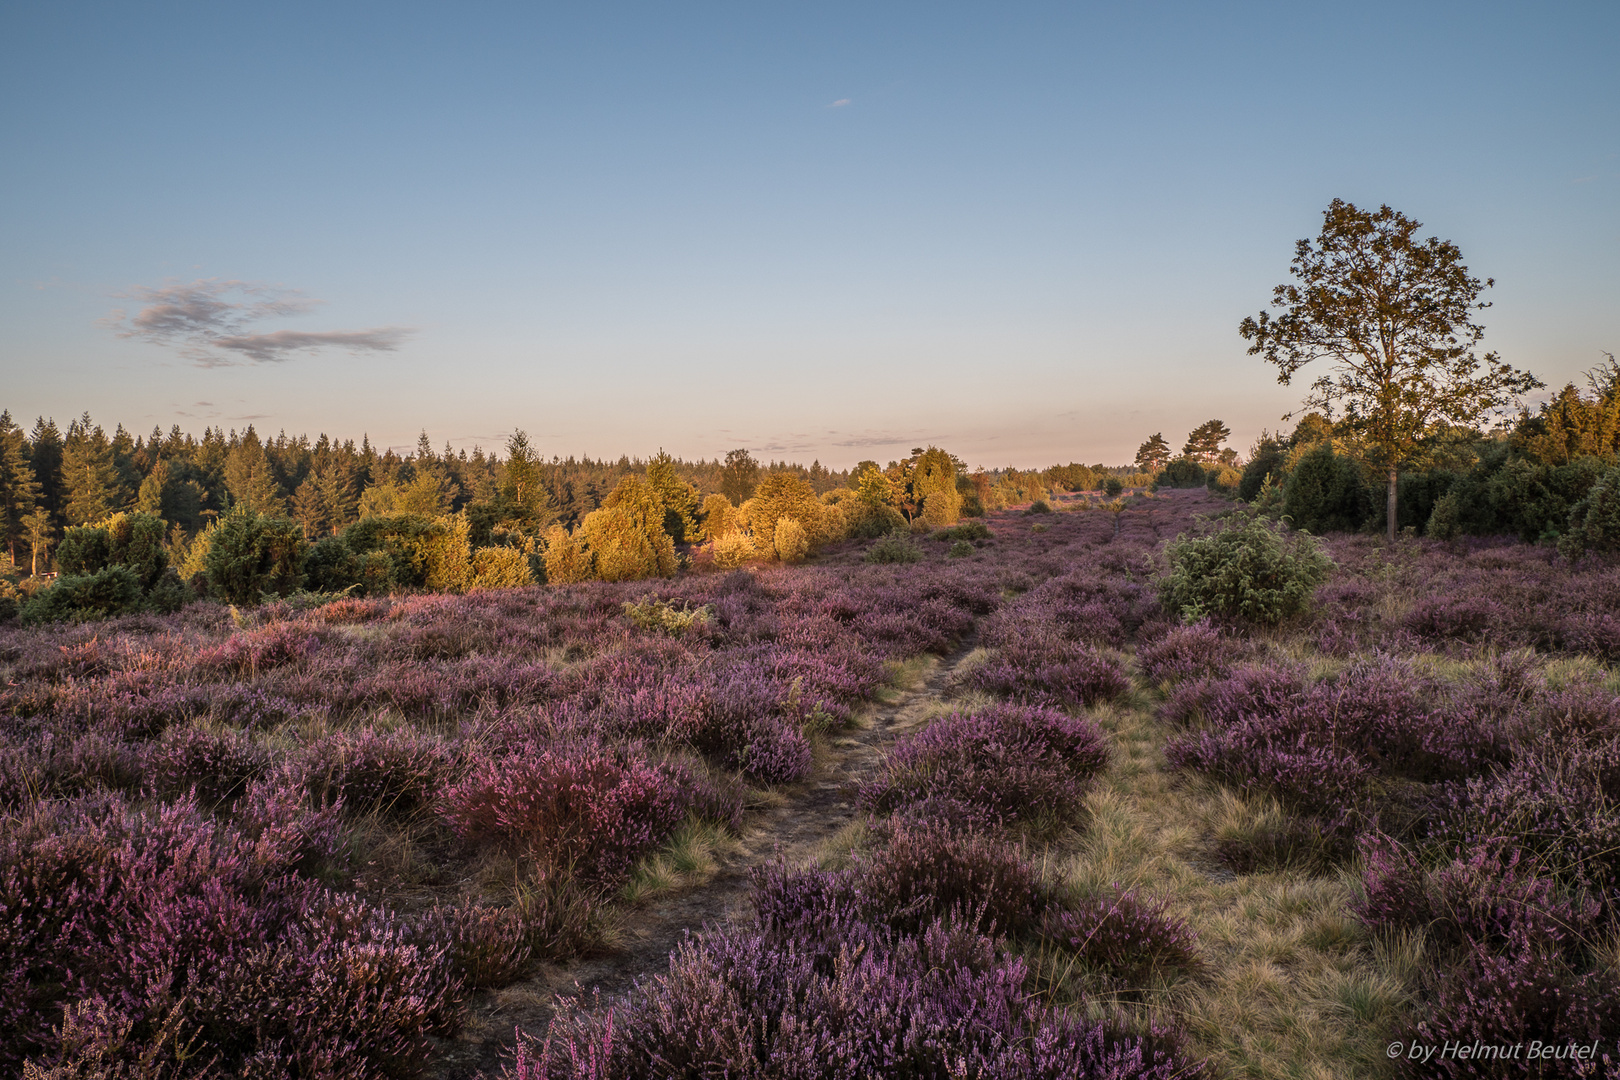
1292,986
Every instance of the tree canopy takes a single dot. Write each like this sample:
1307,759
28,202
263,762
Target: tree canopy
1395,316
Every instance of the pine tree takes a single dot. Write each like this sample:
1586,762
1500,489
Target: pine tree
19,490
249,478
89,476
1204,443
1153,454
681,500
45,452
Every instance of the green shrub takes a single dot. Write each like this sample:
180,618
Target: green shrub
1594,522
1039,506
894,547
1326,492
868,521
1113,487
973,530
1445,520
332,566
1249,570
250,555
1182,472
1225,480
972,506
1537,501
112,590
132,540
960,549
1268,458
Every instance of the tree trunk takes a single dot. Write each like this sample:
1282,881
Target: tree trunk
1389,511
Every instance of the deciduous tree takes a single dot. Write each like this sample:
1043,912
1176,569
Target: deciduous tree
1395,317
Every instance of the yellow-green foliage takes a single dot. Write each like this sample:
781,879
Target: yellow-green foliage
446,554
719,517
792,543
500,568
933,485
625,549
733,549
1226,480
1014,487
655,614
679,498
783,496
567,560
834,524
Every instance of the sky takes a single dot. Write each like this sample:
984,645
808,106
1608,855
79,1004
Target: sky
1024,232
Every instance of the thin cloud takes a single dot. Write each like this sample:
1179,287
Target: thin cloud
209,321
878,439
275,346
839,104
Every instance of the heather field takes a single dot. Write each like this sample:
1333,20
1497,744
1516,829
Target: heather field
996,812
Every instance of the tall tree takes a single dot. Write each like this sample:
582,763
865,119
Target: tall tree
681,500
1395,316
740,477
1152,455
19,490
250,478
45,452
1204,442
89,477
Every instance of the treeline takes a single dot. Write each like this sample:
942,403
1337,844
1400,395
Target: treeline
1553,476
146,524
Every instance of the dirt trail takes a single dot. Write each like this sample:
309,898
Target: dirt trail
811,813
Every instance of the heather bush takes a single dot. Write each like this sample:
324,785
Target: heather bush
1123,935
395,773
578,802
925,871
1185,652
1489,896
1013,763
940,1003
1051,672
1248,570
1520,997
485,946
216,763
1560,804
893,547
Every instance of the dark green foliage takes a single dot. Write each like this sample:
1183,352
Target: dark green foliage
1594,522
893,548
84,550
250,555
112,590
1113,487
1535,500
1183,472
1326,493
1251,570
972,506
1039,506
973,530
401,538
1266,459
332,566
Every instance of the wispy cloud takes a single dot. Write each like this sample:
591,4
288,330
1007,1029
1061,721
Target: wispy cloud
209,321
839,104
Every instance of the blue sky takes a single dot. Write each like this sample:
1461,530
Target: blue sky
1024,232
